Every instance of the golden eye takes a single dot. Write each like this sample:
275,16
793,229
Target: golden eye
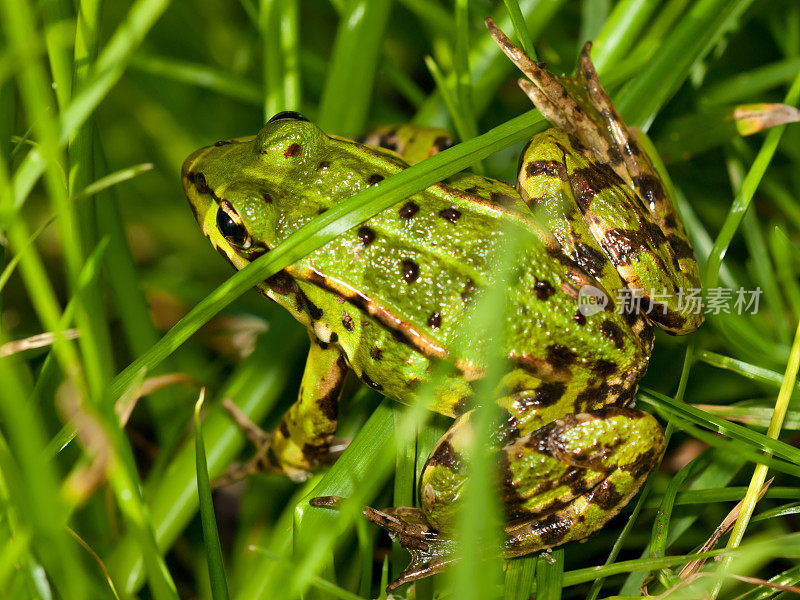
231,227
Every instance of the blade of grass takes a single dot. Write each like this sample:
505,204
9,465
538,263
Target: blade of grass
279,25
344,106
760,472
203,76
550,575
216,568
751,181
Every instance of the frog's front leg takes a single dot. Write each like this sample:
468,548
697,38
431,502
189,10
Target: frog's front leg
303,439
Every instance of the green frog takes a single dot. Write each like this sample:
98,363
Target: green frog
388,299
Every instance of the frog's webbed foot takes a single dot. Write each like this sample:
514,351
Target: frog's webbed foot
430,551
577,105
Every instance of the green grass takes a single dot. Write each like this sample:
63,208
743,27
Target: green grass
100,102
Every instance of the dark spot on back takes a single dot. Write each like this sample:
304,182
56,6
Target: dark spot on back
408,210
435,320
579,318
347,322
410,270
334,337
366,235
323,165
450,214
543,289
374,179
376,353
291,150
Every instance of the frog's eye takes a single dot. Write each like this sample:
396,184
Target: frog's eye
231,227
289,115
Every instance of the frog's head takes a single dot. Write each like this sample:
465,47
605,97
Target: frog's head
249,193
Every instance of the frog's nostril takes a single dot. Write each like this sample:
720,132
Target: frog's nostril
222,143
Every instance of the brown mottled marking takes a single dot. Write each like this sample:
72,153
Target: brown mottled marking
604,367
446,456
590,258
291,150
553,528
579,318
643,464
587,182
612,332
374,179
560,356
281,283
624,244
551,168
543,289
366,235
314,311
605,495
347,321
376,353
547,394
408,210
410,270
450,214
435,320
266,197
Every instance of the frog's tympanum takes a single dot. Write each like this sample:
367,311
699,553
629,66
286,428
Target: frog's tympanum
387,299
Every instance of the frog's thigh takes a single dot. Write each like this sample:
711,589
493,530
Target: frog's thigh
559,483
603,457
303,437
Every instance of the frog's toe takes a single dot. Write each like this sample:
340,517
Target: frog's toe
431,552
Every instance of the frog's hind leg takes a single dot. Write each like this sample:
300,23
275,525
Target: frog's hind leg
565,480
304,438
561,482
613,157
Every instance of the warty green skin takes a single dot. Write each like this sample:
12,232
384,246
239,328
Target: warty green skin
388,299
